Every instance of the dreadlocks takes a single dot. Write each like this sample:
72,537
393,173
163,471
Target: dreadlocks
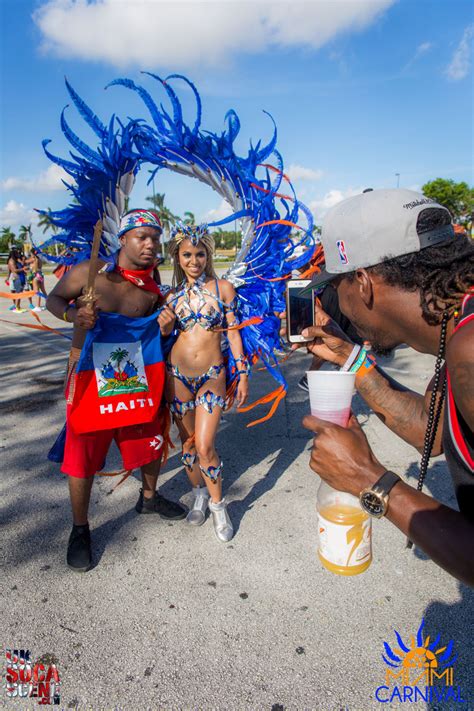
442,273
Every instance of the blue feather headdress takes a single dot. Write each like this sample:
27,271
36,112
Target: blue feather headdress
261,198
191,232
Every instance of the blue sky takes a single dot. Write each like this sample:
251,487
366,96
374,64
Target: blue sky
360,89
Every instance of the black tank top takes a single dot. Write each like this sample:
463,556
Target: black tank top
458,438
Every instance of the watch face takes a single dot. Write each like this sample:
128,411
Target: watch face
373,503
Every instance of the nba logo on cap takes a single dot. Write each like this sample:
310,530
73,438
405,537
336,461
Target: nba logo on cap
342,251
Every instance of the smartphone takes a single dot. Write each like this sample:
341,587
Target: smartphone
299,310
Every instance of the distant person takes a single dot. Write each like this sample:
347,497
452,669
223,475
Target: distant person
17,278
402,276
36,277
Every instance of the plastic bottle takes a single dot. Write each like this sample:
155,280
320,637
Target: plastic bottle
345,532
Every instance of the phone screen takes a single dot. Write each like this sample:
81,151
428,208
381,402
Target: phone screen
300,314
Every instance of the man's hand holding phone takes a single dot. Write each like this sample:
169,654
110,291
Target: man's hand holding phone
299,310
326,339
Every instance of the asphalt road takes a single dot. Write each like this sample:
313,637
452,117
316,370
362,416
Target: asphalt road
170,618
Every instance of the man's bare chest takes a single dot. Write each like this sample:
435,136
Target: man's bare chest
122,297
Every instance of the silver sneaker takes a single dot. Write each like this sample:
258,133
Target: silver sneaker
197,514
222,524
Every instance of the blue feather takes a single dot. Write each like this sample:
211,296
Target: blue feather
87,114
148,101
177,111
197,122
76,141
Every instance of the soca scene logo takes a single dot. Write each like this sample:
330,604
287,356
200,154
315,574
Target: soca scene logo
33,680
420,670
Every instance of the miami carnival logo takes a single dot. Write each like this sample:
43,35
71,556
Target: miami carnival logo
421,670
27,679
121,369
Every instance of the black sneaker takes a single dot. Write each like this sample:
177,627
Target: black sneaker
303,383
163,507
79,556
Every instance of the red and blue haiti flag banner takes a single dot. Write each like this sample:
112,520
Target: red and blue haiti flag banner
120,375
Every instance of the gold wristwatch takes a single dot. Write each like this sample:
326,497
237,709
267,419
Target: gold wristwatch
374,499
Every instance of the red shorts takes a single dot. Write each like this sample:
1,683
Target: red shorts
84,454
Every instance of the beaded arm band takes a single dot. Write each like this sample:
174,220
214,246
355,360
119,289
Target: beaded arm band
245,367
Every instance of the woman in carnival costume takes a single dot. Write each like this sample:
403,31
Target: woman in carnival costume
35,278
201,306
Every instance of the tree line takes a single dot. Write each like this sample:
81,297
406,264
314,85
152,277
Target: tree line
457,197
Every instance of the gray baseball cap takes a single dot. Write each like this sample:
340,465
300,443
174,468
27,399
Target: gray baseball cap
370,228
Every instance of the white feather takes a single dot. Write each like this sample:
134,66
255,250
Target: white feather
127,182
110,225
119,199
112,210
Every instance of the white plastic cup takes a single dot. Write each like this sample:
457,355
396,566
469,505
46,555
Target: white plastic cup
330,395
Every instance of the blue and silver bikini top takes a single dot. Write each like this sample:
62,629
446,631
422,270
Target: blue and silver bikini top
206,316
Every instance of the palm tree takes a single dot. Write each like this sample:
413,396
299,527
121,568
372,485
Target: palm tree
46,222
117,356
189,218
167,218
7,238
24,234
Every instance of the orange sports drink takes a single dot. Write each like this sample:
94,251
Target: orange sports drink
345,532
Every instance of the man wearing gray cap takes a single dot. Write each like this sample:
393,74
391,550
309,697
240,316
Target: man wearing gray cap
402,276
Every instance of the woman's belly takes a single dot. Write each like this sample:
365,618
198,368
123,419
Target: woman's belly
195,351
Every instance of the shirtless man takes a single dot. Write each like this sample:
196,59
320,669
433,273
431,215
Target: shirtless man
130,294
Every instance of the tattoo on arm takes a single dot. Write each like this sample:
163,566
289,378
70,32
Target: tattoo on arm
401,409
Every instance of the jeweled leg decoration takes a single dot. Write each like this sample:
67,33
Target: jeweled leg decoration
212,473
210,400
178,408
188,459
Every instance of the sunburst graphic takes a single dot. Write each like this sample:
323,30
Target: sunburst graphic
421,654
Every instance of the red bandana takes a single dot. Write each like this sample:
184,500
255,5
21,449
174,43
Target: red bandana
141,278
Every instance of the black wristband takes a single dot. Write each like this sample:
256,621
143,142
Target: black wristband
386,482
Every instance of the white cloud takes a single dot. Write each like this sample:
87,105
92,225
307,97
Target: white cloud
460,62
219,213
320,206
422,49
185,33
299,172
14,214
49,179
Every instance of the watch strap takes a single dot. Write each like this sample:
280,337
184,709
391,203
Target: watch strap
386,483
